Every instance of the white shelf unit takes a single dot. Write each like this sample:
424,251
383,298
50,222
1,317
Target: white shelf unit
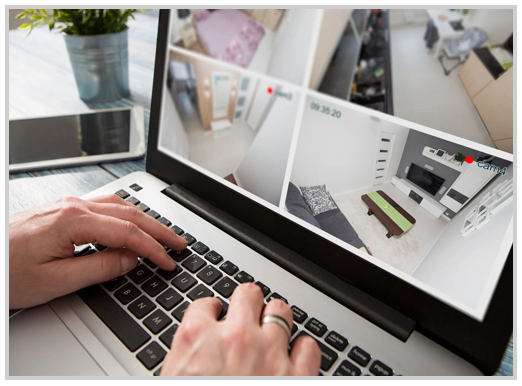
491,203
466,186
428,203
445,160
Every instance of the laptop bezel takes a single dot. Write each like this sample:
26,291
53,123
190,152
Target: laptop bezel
481,343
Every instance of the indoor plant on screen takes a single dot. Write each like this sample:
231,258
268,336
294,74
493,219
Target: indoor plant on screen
96,41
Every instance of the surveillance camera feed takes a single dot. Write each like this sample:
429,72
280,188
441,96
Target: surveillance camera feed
414,176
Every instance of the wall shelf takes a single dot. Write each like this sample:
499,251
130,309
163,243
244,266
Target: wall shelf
430,153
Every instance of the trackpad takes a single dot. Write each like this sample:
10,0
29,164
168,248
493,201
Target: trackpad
40,344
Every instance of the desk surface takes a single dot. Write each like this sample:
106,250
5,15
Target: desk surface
41,83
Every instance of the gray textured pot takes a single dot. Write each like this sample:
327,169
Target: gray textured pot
101,65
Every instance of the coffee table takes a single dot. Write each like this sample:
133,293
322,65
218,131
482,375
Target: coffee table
396,220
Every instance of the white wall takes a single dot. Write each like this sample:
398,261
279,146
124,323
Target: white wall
497,23
461,266
259,104
399,17
341,152
292,43
263,169
172,134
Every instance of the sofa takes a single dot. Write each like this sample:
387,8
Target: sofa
332,221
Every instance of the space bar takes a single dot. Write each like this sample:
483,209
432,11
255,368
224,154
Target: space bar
111,313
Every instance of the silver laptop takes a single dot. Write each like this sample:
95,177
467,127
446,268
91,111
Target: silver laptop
394,251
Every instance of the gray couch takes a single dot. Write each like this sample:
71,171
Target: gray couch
332,221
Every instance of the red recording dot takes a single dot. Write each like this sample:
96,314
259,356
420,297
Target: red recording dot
469,159
270,90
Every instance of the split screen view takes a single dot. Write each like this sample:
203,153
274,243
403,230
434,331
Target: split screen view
250,100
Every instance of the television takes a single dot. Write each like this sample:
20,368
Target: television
424,179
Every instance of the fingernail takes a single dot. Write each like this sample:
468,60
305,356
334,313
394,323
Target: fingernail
128,261
183,241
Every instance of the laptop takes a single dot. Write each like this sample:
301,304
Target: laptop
394,251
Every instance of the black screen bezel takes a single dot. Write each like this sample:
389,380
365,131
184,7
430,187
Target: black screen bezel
481,343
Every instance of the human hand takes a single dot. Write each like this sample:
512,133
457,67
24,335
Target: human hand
239,345
41,246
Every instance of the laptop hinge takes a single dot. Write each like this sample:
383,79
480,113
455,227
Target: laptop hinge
366,306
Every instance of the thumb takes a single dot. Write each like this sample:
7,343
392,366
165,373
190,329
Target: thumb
88,270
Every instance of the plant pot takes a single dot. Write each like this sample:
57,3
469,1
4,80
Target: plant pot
101,65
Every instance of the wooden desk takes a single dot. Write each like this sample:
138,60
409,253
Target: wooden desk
41,83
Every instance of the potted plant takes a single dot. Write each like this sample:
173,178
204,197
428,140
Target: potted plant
459,157
97,42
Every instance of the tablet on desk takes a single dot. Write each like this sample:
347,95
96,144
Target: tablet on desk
68,140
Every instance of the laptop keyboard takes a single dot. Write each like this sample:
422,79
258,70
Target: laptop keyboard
144,307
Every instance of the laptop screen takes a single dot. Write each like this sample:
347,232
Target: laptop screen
319,134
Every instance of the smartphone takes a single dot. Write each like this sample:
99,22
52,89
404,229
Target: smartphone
106,135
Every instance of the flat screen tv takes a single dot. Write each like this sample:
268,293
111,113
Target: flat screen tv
424,179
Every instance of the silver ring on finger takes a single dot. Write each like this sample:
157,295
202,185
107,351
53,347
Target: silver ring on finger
280,322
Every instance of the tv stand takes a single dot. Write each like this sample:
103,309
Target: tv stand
423,199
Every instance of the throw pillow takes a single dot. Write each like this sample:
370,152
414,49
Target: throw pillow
318,199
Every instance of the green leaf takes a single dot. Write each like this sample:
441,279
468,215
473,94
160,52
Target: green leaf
25,26
21,15
36,17
51,25
44,12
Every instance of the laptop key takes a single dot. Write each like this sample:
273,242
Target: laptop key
131,334
164,221
346,368
336,340
157,373
294,329
179,256
169,299
224,310
200,248
275,295
127,293
149,263
177,230
299,315
328,356
199,292
133,200
358,355
157,321
380,369
154,286
189,238
209,275
316,327
143,207
180,311
139,274
122,193
141,307
151,355
194,263
167,336
225,287
184,282
229,268
243,277
152,213
214,257
168,275
265,289
115,283
135,187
